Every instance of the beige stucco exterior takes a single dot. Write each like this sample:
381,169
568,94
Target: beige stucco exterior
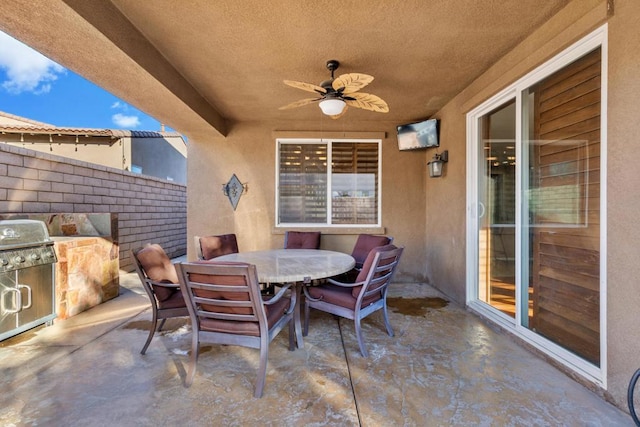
427,216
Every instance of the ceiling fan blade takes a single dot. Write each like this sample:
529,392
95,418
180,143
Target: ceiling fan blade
337,116
299,103
351,82
305,86
367,101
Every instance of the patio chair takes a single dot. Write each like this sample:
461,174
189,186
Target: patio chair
160,281
357,300
226,307
208,247
302,240
364,245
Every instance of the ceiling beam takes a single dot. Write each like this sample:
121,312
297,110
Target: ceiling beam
95,40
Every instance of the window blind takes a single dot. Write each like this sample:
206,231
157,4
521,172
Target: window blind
303,183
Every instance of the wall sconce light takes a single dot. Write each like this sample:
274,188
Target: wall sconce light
436,164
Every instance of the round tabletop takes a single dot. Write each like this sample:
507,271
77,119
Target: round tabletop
294,265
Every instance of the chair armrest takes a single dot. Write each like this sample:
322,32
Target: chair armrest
163,284
277,296
343,284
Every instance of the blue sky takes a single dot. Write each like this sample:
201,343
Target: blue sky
37,88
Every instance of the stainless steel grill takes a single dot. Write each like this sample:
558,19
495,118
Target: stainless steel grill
27,259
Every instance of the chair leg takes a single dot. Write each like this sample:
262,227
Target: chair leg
386,320
193,359
161,325
292,333
262,369
152,330
305,329
363,348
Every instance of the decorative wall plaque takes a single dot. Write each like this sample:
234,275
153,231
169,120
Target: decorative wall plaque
233,190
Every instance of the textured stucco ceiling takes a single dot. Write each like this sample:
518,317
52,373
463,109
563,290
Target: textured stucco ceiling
213,63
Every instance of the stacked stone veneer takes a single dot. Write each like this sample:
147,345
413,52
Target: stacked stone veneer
148,209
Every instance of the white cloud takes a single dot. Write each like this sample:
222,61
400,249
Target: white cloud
119,105
127,122
27,70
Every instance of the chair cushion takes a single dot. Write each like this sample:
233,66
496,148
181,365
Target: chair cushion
364,244
229,296
362,276
332,294
274,313
157,266
175,300
303,240
215,246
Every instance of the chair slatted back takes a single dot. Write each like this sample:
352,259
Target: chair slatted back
228,292
381,273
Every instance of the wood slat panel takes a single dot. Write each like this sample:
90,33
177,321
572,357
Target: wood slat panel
575,279
576,66
572,131
591,85
583,76
589,100
555,329
566,151
573,264
566,259
569,118
571,313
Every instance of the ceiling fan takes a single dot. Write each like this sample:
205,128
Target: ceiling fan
335,94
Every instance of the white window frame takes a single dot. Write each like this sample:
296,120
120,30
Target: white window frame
596,374
328,142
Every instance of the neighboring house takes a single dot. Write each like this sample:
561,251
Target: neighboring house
158,154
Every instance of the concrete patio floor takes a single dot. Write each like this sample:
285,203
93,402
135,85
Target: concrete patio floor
443,367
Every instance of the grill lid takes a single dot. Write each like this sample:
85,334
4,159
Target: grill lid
15,233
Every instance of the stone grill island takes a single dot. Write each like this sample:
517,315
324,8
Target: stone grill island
87,271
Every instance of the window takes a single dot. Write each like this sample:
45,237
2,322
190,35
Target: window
309,193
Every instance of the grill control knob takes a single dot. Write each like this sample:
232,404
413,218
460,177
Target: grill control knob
19,259
34,257
49,254
5,262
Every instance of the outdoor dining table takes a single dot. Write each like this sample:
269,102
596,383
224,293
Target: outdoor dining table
296,266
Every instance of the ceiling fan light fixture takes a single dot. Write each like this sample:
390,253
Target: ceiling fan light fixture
332,106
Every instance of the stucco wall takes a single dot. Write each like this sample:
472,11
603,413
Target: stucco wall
249,151
103,154
623,198
623,298
149,209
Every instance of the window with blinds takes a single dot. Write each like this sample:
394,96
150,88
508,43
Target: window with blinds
311,193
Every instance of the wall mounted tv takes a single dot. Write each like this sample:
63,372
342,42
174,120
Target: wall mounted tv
418,135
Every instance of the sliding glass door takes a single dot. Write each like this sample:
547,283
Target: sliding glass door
535,209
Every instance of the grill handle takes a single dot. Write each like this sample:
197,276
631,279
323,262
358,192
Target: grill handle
17,301
29,299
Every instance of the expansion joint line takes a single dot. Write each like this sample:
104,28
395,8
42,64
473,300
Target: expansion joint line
346,358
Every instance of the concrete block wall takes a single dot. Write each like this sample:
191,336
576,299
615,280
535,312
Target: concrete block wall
149,209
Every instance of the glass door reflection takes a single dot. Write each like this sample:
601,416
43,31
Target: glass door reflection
497,209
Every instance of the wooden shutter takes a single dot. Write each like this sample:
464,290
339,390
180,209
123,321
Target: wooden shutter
356,163
565,207
303,183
